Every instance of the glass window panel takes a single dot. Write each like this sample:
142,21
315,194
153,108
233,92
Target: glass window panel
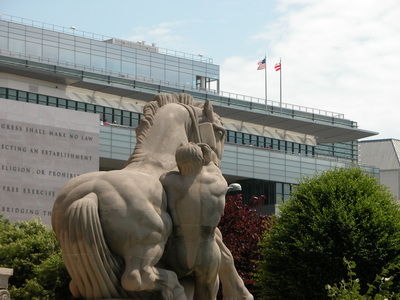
3,92
19,31
172,67
42,99
113,64
239,138
98,61
128,67
33,29
79,39
254,140
62,103
100,48
282,145
90,108
32,98
289,147
98,53
246,139
126,121
50,40
83,50
143,54
108,118
3,43
81,106
22,96
52,101
82,58
33,49
67,38
186,79
84,45
50,33
286,189
50,52
114,56
12,94
99,109
17,46
67,46
143,70
112,48
67,55
157,73
275,144
135,120
129,54
231,136
71,104
172,59
37,35
310,150
261,142
279,188
117,116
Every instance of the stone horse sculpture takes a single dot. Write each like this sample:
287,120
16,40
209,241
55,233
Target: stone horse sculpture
113,226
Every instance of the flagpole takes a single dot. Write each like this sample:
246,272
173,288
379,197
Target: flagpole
265,57
280,84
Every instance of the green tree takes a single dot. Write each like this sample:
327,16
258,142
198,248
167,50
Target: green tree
31,249
340,213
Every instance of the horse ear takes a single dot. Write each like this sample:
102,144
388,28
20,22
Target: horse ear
208,110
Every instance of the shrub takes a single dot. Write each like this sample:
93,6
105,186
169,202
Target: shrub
242,228
32,251
341,213
380,289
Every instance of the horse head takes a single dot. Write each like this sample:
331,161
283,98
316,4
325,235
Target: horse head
212,132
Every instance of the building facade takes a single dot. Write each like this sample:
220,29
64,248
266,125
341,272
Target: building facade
269,145
385,155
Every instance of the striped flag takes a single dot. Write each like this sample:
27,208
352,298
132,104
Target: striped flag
262,64
278,66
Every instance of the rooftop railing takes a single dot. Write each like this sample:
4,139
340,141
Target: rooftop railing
232,99
94,36
271,105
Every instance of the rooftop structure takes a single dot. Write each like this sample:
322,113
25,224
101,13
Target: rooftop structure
385,155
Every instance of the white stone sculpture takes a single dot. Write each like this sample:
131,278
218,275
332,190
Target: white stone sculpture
113,226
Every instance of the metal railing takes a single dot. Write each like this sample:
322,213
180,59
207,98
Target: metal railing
238,99
99,37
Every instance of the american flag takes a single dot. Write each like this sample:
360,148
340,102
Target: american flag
278,66
262,64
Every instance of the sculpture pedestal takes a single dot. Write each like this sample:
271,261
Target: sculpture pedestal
5,273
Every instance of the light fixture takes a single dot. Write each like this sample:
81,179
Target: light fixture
73,27
234,187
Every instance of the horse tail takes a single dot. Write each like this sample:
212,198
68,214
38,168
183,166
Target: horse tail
95,272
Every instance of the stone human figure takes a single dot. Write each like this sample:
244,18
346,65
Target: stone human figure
196,201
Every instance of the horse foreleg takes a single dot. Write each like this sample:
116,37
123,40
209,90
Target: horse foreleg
233,287
141,275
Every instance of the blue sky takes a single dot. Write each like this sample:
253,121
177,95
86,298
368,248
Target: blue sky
337,55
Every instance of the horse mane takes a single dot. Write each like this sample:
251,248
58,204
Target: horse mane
149,112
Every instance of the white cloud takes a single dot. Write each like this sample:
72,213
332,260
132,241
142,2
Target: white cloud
165,33
337,55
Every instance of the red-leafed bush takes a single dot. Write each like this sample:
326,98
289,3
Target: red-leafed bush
242,228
